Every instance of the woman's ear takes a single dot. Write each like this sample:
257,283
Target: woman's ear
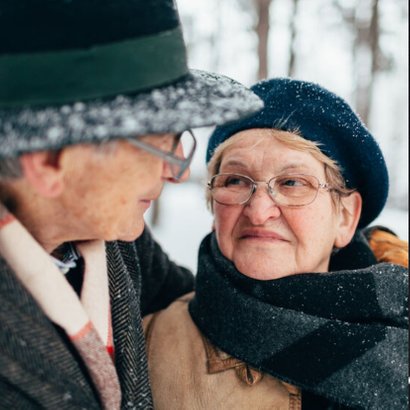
43,172
349,215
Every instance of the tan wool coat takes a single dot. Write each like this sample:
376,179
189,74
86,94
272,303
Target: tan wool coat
188,372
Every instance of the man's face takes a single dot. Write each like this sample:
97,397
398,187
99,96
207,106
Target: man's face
108,191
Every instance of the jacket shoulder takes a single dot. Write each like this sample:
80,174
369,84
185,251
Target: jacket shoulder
387,246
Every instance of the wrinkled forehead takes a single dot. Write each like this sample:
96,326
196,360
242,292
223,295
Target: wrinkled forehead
250,138
257,149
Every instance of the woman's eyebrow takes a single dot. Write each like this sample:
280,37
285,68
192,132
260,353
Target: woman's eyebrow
301,166
292,166
235,163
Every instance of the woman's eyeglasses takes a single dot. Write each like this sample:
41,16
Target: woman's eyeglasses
291,190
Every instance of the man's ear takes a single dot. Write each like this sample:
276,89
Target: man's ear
349,215
43,172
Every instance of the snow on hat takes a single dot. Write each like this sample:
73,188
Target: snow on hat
323,117
78,71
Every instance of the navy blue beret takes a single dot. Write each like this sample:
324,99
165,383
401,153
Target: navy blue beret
323,117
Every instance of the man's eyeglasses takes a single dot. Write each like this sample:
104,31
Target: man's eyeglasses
287,190
178,157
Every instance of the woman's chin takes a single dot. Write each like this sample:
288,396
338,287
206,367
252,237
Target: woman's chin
263,264
263,271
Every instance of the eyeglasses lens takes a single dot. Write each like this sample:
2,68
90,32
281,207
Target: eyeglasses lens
294,190
231,189
287,190
183,149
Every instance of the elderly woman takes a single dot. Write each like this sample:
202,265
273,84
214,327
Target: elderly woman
292,308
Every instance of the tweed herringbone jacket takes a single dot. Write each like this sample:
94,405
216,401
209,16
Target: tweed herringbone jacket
38,366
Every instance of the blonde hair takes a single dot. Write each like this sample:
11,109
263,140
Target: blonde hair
293,140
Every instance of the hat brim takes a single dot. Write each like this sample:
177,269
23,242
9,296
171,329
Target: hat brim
197,100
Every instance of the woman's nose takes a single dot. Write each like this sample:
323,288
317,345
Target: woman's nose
261,207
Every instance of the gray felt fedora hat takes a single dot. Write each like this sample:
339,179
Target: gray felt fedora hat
80,71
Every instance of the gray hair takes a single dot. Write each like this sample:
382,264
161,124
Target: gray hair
10,168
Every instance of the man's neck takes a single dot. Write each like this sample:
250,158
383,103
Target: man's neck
42,217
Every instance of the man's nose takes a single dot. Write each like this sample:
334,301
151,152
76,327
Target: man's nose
185,175
261,207
179,152
169,175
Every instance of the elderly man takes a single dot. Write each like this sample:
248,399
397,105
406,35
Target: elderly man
95,106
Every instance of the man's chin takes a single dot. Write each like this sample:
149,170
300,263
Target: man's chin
131,235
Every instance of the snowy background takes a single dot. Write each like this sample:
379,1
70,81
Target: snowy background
220,38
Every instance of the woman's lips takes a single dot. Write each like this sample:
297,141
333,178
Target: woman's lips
261,234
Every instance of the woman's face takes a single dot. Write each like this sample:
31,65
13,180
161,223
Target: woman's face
264,240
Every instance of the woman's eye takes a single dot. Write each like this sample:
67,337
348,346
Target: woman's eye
292,182
234,181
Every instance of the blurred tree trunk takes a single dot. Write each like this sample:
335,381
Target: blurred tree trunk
262,31
293,31
155,213
215,38
367,56
367,42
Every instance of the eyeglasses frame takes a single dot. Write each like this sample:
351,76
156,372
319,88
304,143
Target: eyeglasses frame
255,184
169,156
